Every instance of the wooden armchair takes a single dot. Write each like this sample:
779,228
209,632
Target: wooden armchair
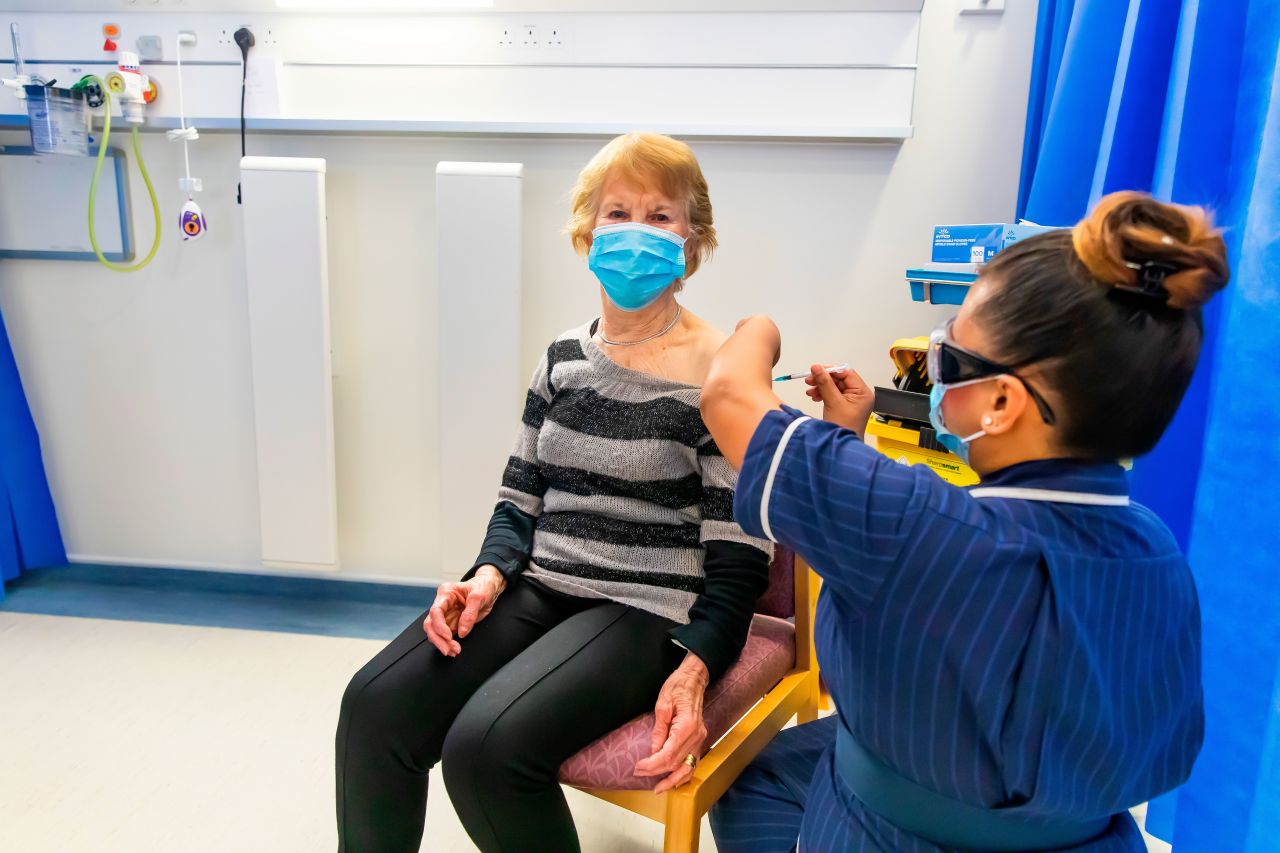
775,679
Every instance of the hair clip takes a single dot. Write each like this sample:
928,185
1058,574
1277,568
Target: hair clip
1151,277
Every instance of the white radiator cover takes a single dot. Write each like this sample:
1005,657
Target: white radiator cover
287,290
478,216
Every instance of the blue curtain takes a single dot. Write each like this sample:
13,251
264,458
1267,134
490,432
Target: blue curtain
1182,99
29,534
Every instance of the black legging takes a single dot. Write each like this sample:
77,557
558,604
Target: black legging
542,676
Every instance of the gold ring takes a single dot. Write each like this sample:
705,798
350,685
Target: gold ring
691,760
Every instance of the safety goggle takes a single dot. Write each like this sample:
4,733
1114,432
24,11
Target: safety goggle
952,365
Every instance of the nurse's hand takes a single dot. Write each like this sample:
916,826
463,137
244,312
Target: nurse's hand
459,606
679,730
846,399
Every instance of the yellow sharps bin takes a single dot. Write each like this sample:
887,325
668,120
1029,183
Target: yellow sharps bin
900,422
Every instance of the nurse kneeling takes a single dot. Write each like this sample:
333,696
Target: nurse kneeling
1017,663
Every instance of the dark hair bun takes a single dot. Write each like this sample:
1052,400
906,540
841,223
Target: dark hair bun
1133,228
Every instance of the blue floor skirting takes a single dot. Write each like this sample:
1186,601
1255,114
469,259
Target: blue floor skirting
376,611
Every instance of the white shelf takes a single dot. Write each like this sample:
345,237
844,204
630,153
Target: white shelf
497,128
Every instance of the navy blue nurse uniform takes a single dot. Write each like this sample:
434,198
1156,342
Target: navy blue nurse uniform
1031,644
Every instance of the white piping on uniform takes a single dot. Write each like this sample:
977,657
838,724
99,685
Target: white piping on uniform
1049,495
773,471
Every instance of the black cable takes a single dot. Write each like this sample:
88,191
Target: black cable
244,77
245,40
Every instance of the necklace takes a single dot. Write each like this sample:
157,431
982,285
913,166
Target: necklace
669,327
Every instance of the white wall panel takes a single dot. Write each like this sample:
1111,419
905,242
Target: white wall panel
478,245
287,287
818,74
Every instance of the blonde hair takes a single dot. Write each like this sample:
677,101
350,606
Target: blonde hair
647,159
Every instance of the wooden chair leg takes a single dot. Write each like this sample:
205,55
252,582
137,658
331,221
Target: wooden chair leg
683,824
808,711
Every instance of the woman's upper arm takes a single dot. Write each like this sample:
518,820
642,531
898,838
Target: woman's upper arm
732,412
819,489
719,481
522,481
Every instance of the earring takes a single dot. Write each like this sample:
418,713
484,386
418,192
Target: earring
986,421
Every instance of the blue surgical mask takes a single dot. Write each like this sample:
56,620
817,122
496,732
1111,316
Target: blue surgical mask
948,439
635,262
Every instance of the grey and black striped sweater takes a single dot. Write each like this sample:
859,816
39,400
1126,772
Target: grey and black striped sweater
615,489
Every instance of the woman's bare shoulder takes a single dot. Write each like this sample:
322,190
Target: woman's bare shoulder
711,342
707,339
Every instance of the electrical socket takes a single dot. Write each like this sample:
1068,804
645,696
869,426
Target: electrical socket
260,37
531,37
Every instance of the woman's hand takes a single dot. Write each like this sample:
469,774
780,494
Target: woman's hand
459,606
846,400
679,729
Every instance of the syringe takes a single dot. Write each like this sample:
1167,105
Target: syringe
835,368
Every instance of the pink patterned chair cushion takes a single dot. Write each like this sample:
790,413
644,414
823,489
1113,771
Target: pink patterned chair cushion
770,653
780,597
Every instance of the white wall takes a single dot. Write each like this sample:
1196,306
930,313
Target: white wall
141,385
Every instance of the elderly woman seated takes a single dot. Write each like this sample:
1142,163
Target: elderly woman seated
613,579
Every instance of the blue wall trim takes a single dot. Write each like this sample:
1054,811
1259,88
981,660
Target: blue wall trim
376,611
